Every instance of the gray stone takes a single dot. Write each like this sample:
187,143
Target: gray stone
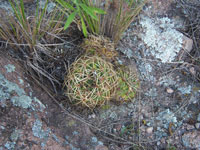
198,117
197,125
149,130
190,127
170,90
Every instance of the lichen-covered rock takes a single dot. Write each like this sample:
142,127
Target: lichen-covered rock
30,120
191,140
163,41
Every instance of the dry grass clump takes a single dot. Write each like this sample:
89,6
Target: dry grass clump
100,46
30,34
91,81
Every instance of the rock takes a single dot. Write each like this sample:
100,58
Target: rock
198,117
170,90
192,71
191,139
197,125
163,41
189,127
27,113
149,130
187,44
158,143
92,116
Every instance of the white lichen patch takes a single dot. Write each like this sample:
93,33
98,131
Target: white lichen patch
21,99
185,89
146,71
20,81
38,131
163,41
9,68
167,117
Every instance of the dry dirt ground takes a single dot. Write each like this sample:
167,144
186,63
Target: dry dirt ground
165,115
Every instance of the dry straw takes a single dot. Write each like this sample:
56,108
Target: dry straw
91,81
100,46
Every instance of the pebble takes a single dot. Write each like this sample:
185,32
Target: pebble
149,130
192,71
92,116
190,127
170,90
158,143
198,118
197,125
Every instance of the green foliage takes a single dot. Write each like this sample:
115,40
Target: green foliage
86,13
127,129
110,19
127,85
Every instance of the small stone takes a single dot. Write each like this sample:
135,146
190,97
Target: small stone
189,127
158,143
92,116
170,90
198,118
192,71
187,43
149,130
94,140
197,125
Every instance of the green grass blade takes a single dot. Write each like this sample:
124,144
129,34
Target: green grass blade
70,19
88,11
65,4
22,10
19,13
41,17
90,22
15,10
12,26
98,10
37,10
84,27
